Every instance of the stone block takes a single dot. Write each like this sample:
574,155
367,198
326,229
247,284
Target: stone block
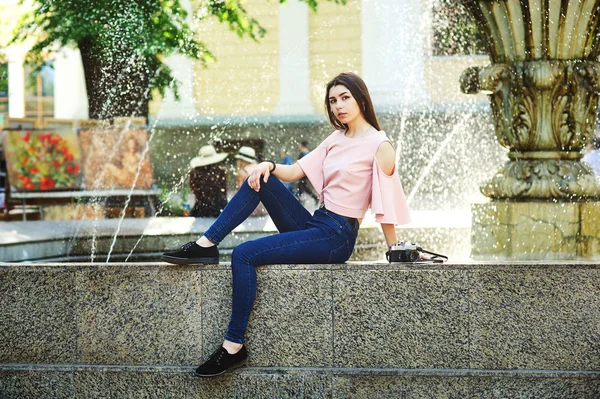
535,230
490,241
491,213
399,318
490,231
291,321
37,322
366,387
139,317
125,384
554,212
436,388
534,388
216,307
535,319
590,219
33,384
162,383
542,230
394,386
304,386
590,247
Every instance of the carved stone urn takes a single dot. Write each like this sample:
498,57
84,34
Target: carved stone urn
543,84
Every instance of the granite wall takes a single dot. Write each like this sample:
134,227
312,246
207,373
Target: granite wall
463,331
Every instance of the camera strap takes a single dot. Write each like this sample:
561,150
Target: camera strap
432,253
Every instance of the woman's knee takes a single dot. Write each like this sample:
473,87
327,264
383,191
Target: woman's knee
241,254
271,181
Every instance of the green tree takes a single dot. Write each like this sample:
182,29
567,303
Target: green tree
123,42
454,30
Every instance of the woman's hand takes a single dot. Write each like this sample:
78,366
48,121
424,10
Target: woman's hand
262,169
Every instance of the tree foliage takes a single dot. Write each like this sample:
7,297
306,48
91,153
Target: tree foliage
454,30
123,43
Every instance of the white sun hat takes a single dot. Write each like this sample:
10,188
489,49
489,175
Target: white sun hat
247,154
207,156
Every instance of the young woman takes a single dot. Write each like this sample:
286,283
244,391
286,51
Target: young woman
354,168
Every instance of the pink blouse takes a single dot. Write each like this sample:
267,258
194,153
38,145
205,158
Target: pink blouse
345,173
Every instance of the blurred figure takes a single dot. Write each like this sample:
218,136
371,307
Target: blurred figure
303,148
246,162
285,159
592,158
305,189
208,181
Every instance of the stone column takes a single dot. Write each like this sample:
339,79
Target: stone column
70,98
16,82
544,85
294,68
393,51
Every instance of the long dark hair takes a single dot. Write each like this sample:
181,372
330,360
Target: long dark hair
359,91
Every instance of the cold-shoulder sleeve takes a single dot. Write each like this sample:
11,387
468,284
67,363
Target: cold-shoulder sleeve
312,166
388,201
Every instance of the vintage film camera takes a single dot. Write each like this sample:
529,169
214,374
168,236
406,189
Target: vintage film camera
410,252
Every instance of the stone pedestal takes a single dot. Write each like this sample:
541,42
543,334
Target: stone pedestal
535,230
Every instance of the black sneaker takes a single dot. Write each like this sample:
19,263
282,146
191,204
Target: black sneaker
192,253
221,361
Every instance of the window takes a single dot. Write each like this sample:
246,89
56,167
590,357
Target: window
3,92
39,92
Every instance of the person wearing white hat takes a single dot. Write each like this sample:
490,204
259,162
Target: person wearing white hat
352,170
247,154
246,162
208,181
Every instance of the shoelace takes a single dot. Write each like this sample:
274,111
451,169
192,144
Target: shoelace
187,245
217,356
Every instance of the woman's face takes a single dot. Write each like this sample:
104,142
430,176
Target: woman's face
343,105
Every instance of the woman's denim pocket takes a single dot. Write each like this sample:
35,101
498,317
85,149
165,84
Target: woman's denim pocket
340,254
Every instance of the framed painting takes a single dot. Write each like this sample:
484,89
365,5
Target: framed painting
116,159
42,160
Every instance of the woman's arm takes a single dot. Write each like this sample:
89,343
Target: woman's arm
386,157
286,173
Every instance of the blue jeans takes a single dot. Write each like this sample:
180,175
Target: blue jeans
324,237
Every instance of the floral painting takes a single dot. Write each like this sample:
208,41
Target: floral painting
43,160
116,158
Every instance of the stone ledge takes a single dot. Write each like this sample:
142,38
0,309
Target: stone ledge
524,373
467,316
102,382
445,232
348,266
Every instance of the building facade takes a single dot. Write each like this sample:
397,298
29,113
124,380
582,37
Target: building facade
387,42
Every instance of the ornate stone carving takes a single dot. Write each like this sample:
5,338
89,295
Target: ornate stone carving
556,178
543,86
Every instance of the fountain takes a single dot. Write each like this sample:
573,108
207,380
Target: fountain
543,86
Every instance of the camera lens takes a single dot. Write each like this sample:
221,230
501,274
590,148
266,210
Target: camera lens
413,256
